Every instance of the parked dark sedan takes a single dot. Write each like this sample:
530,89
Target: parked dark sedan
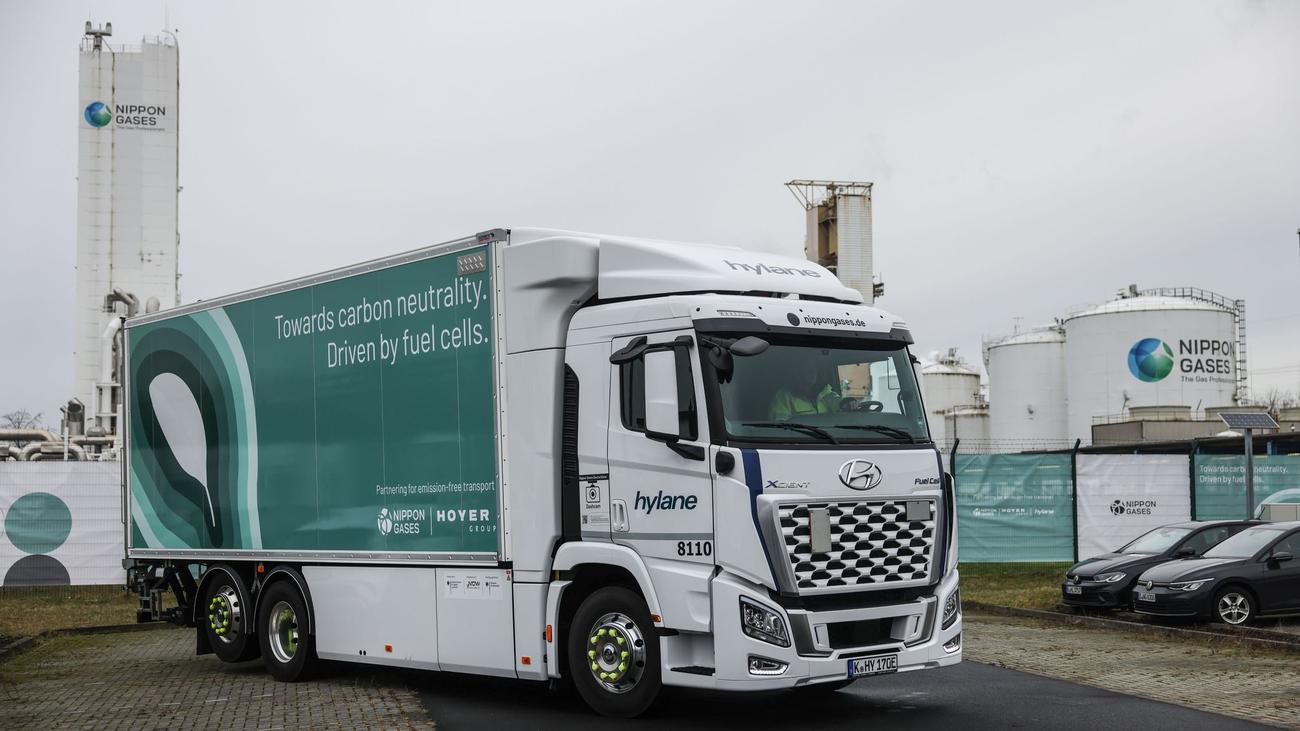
1106,581
1253,573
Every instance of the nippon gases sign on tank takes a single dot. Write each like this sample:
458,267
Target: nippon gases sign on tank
1194,360
99,114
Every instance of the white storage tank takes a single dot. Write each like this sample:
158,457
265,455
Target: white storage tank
945,383
1149,349
1027,406
968,424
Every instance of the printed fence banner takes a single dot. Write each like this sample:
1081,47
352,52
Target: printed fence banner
1221,483
61,523
1014,507
1122,496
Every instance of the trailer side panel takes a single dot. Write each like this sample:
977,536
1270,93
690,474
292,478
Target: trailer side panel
352,418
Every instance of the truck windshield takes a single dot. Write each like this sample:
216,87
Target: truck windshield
808,391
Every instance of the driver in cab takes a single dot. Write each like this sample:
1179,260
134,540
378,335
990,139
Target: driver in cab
812,393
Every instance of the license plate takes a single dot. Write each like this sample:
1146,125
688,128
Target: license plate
1074,590
1146,596
878,665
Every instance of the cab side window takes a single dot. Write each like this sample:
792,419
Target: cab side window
1290,544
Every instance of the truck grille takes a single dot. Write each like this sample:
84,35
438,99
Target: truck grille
871,543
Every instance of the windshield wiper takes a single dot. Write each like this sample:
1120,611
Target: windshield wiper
880,429
794,426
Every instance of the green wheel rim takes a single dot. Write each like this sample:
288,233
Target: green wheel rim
224,614
616,652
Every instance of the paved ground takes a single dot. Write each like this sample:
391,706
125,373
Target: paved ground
1264,686
153,680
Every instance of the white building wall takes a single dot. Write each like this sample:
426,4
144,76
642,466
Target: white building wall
126,192
853,242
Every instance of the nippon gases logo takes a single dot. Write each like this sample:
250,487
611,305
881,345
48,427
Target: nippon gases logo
1132,507
1150,360
125,116
97,114
401,521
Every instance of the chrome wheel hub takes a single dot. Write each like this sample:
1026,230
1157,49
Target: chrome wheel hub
1234,608
224,613
283,632
616,652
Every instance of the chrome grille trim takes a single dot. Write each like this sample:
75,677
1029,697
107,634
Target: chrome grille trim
873,545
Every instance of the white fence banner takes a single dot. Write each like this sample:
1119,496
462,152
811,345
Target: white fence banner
1122,496
61,523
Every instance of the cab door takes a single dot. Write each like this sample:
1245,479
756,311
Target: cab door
660,482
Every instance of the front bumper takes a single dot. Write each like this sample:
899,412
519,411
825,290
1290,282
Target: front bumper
1170,603
1096,594
822,642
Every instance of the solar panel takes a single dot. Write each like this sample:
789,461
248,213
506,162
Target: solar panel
1248,420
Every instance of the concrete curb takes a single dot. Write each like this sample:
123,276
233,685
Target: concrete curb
23,644
1259,639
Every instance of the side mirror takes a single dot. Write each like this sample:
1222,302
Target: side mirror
748,345
1281,556
1185,552
661,409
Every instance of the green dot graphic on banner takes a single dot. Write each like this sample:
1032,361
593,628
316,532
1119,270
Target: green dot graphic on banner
38,522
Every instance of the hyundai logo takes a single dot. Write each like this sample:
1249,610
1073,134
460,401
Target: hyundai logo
859,474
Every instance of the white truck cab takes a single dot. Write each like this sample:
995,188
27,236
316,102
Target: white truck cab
749,445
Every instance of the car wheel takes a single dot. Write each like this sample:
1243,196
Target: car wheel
1234,606
226,618
614,653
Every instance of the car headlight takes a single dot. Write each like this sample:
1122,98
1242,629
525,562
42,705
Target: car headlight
1111,578
951,608
762,623
1192,585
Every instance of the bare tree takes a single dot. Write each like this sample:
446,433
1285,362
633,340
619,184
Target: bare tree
21,419
1275,399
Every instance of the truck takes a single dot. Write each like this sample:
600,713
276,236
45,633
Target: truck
604,461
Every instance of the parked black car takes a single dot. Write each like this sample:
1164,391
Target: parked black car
1106,581
1253,573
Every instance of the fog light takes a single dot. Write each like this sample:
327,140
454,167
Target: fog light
951,608
953,645
764,666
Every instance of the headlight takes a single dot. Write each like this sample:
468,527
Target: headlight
762,623
1110,578
1189,585
951,608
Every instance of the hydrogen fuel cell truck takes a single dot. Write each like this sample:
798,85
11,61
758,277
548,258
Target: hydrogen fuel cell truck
545,455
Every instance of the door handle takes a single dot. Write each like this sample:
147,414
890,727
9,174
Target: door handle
619,509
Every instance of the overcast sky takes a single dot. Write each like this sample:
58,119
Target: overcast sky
1029,157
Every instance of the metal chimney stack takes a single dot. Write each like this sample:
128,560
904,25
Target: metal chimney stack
839,230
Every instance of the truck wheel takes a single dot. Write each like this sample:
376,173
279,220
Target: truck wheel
614,653
226,619
1232,605
288,650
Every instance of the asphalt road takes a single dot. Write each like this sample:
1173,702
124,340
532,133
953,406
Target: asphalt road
968,696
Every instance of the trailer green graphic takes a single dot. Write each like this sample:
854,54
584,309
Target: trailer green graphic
290,420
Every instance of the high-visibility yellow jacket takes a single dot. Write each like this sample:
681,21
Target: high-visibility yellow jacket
787,403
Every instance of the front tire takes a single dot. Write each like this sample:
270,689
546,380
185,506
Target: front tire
1234,606
614,653
226,617
288,650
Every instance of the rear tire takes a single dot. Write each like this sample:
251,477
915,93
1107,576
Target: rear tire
614,653
1234,606
225,617
288,650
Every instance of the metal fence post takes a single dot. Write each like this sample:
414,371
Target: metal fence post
1074,495
1191,476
